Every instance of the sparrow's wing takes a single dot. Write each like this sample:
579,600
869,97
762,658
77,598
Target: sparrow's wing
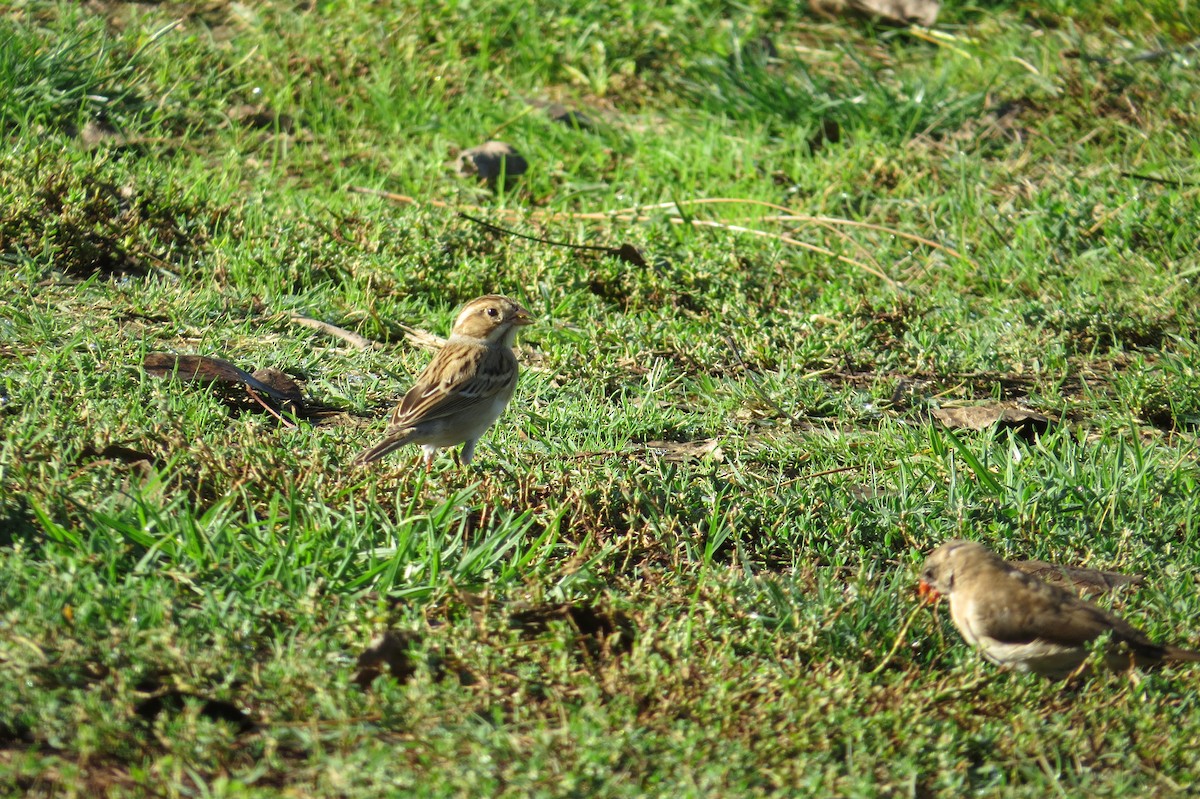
459,378
1028,609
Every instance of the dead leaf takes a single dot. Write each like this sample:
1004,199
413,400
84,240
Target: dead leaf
490,160
675,451
1077,578
285,388
205,369
629,254
1027,424
558,112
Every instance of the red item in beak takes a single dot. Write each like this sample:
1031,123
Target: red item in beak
927,592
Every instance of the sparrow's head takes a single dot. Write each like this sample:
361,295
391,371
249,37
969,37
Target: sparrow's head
491,318
945,563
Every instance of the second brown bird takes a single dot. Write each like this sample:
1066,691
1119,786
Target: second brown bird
1020,622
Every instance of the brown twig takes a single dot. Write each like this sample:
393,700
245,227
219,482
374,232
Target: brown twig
635,215
899,640
266,406
398,198
351,338
789,215
582,456
795,243
814,475
626,252
423,338
527,237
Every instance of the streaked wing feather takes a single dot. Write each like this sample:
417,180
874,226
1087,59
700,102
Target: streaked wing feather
449,385
1059,616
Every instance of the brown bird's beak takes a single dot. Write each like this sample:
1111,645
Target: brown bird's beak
523,318
928,593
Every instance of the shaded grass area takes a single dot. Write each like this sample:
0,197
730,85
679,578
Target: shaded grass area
684,563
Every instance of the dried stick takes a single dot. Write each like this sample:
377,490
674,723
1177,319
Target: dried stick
351,338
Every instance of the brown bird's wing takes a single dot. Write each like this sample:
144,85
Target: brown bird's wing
1031,609
454,381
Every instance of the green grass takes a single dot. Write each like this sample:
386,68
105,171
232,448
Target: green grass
186,583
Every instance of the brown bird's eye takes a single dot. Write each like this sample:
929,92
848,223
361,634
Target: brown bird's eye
492,312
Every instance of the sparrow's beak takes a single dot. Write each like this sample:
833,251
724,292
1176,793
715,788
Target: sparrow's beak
927,592
523,318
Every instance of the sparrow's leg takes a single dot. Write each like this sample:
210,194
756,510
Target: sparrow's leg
429,453
468,452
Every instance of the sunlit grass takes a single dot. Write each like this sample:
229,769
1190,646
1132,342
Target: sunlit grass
682,562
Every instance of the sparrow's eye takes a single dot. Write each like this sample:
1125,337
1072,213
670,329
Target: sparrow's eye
492,312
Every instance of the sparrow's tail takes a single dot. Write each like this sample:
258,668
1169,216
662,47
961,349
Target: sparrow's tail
394,440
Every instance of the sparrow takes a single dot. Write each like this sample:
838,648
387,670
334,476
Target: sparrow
464,389
1020,622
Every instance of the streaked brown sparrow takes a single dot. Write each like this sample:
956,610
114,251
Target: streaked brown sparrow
466,386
